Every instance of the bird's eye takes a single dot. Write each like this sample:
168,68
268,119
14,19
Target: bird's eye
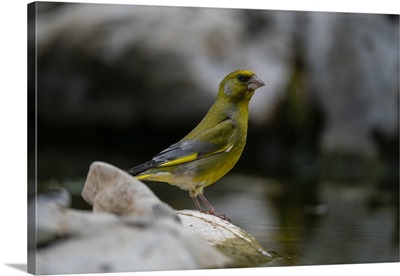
241,77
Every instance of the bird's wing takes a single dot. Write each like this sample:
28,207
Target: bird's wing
191,149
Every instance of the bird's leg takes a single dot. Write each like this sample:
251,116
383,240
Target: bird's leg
196,202
211,209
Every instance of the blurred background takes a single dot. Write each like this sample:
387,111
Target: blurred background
318,182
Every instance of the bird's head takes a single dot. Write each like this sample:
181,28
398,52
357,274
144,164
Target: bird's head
239,85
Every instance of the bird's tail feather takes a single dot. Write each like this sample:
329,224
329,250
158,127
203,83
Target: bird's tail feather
140,168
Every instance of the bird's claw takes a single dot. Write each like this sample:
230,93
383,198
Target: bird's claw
221,216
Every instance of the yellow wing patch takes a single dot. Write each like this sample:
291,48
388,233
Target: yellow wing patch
181,160
142,176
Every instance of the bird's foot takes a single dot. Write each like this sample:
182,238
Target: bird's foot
211,210
222,216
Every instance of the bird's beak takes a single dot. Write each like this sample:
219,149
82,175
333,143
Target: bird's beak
255,83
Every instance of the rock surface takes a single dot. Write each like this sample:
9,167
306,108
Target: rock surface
111,190
230,239
132,230
106,243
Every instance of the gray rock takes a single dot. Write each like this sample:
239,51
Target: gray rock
49,207
103,242
130,230
111,190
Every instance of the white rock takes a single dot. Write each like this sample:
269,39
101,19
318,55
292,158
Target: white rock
111,190
230,239
130,230
106,243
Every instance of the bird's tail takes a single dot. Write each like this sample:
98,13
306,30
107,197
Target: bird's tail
140,168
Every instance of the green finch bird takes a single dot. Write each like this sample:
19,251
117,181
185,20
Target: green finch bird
212,148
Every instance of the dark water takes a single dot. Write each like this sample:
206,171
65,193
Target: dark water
327,223
341,224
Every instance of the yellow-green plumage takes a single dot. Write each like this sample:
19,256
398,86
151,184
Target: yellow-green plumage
213,147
